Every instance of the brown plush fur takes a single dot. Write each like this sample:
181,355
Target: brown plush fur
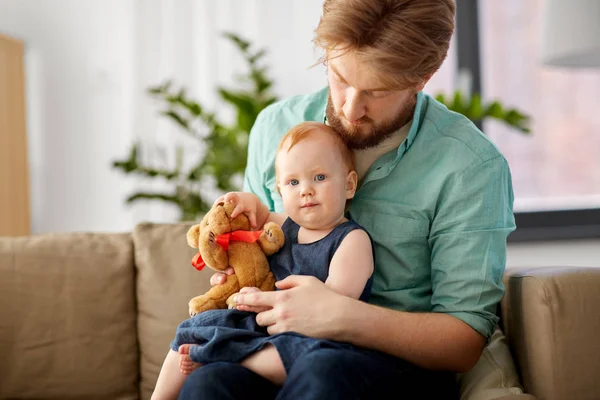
248,260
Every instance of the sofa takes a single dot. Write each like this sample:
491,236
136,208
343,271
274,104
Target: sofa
91,316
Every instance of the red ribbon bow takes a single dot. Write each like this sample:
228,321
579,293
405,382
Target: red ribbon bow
223,241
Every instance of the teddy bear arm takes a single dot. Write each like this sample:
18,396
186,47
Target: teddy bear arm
272,238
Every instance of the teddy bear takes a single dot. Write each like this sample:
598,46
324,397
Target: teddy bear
225,242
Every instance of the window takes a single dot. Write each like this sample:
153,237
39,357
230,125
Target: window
557,167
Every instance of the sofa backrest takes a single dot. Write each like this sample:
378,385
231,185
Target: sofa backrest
67,317
166,281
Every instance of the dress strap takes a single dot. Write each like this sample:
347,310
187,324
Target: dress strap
291,230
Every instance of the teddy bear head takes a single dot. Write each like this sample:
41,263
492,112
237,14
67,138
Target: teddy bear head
205,235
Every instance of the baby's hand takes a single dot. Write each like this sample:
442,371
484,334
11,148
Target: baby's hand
246,203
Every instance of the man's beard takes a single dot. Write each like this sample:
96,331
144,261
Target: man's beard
356,138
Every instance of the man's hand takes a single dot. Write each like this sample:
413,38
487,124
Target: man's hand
255,309
304,305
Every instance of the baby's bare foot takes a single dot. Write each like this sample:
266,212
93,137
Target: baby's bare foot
186,365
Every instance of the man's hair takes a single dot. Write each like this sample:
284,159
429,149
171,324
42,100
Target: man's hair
304,130
404,41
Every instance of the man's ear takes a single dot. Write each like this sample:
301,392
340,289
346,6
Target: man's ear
421,86
351,184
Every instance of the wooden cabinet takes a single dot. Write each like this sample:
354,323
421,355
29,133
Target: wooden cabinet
14,171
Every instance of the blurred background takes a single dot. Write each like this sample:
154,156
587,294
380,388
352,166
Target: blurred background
107,143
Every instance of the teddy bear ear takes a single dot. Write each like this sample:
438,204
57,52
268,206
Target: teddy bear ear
192,236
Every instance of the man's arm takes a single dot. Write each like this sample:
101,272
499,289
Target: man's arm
430,340
468,243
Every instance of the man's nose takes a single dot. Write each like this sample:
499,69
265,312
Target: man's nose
354,107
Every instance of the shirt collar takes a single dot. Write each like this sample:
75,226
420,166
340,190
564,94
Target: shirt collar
418,116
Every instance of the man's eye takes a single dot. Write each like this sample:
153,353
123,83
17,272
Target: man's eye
319,177
377,94
293,182
340,79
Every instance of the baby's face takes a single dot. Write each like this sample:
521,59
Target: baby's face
313,182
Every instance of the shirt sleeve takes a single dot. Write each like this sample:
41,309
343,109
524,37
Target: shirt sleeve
254,176
468,243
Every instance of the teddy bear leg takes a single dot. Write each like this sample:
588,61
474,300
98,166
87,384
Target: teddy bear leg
201,303
216,297
269,283
230,303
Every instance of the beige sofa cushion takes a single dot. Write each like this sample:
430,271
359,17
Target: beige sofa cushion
494,376
552,324
166,281
67,325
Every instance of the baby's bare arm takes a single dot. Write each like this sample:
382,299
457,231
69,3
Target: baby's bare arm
351,265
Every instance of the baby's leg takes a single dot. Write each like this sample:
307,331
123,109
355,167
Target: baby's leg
186,365
267,363
170,379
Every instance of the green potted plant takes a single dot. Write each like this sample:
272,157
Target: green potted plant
226,144
474,109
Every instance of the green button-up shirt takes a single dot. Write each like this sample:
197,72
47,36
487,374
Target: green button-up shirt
439,208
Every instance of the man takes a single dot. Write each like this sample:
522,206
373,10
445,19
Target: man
434,193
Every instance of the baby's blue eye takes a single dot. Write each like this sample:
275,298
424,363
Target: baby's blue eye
294,182
319,177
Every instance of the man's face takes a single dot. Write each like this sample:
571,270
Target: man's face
360,108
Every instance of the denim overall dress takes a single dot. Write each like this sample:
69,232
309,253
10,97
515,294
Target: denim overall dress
232,335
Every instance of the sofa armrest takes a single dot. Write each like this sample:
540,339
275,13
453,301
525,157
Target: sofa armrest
550,318
516,397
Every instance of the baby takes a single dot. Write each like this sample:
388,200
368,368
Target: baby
316,178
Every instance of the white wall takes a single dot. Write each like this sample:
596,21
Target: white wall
88,64
79,94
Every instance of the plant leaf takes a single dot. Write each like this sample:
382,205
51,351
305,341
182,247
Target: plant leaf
226,144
